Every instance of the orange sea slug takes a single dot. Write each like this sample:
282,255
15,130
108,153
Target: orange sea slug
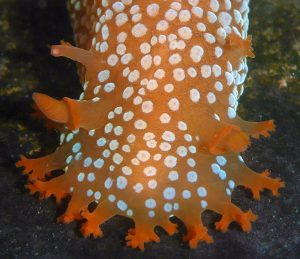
155,132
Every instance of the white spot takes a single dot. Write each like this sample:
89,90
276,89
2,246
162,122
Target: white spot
153,10
150,203
178,74
164,146
140,124
175,59
181,151
211,98
170,161
174,104
97,195
118,130
219,86
147,107
112,60
151,214
201,27
122,205
203,204
126,170
169,193
222,174
108,127
168,136
138,187
231,113
111,198
131,138
224,18
87,162
229,78
143,155
209,38
113,145
197,11
152,184
195,95
192,176
89,193
103,75
215,168
173,176
121,19
184,15
169,88
218,52
202,192
91,177
117,158
129,213
76,147
192,72
150,171
168,207
196,53
152,84
186,194
162,25
145,48
211,17
191,162
170,14
125,59
80,177
206,71
108,183
146,62
188,137
105,32
99,163
149,136
185,33
231,184
127,116
121,182
221,160
109,87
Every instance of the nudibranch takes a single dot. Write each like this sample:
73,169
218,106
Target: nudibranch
155,132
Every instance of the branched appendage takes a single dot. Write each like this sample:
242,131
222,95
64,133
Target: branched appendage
39,168
196,233
141,234
91,227
79,202
258,182
56,187
256,129
231,213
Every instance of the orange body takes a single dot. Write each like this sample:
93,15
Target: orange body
155,132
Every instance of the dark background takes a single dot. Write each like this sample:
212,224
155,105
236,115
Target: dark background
27,225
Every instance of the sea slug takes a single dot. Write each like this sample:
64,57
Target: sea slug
155,131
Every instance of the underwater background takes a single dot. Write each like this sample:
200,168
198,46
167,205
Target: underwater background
27,225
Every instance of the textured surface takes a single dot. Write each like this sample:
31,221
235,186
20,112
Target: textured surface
275,158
